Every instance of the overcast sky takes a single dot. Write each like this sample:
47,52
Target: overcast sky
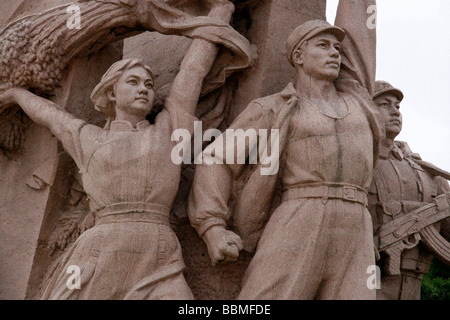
413,54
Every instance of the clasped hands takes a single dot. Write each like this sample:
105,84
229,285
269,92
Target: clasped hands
223,245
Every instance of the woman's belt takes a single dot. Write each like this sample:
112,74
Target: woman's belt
133,212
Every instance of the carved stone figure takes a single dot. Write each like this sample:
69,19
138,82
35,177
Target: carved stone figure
408,198
317,242
127,173
36,49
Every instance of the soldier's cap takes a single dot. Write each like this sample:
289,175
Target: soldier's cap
309,30
382,87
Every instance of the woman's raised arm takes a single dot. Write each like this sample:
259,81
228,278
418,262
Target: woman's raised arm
186,88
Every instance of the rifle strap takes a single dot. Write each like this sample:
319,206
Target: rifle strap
382,191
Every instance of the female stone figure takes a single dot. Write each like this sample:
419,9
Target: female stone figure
128,175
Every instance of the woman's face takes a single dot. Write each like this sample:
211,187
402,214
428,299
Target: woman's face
133,92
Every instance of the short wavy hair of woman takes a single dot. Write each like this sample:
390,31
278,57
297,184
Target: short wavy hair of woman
99,95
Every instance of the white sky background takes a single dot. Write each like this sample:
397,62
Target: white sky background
413,54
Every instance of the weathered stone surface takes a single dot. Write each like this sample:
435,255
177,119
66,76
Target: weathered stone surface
54,205
62,214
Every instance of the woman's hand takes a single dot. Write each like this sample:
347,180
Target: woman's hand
221,10
7,100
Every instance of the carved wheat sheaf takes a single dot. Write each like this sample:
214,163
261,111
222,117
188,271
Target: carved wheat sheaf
35,51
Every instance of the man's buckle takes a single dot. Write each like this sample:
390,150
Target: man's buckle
350,193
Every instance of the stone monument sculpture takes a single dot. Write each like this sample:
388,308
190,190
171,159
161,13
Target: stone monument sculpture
329,133
44,207
315,136
127,173
407,198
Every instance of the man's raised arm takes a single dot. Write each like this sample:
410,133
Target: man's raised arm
359,46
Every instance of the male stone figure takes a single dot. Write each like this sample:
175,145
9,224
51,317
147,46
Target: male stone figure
400,185
318,242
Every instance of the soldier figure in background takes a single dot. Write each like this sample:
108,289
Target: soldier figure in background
402,184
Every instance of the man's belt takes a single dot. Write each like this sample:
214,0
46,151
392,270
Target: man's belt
327,191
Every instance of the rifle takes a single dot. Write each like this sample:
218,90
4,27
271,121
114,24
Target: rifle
406,231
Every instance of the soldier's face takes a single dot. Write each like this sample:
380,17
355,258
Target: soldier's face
133,92
321,57
389,106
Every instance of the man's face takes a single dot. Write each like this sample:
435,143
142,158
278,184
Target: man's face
321,58
389,106
133,92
